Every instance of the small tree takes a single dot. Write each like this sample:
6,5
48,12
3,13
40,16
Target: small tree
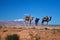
12,37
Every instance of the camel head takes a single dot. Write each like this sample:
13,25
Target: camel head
37,19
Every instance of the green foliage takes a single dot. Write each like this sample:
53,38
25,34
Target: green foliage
58,30
12,37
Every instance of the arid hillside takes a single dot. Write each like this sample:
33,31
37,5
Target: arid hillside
31,33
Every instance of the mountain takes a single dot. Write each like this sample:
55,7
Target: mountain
20,22
12,23
2,23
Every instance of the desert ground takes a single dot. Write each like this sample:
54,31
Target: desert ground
32,32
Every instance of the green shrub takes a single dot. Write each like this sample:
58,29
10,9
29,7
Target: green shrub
12,37
58,30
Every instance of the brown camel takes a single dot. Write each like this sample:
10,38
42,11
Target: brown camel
46,19
28,18
36,21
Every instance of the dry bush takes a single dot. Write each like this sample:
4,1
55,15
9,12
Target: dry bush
20,28
33,28
5,30
36,37
1,26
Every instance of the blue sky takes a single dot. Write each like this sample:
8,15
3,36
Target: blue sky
15,9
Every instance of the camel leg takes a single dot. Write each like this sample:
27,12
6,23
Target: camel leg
47,23
42,22
30,23
24,22
36,23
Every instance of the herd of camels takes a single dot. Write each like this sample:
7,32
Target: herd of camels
44,19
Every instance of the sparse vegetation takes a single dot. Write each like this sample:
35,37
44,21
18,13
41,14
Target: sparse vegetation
46,28
0,26
5,30
29,33
31,36
33,28
20,28
58,30
37,37
14,27
12,37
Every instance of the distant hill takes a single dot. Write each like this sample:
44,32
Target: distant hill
11,23
15,23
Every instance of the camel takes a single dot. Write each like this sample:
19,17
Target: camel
29,19
36,21
46,19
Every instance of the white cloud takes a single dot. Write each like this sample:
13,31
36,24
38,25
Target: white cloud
26,14
18,20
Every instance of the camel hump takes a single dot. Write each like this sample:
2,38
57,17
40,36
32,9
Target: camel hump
46,17
27,17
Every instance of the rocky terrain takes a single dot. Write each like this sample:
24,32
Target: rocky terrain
31,33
